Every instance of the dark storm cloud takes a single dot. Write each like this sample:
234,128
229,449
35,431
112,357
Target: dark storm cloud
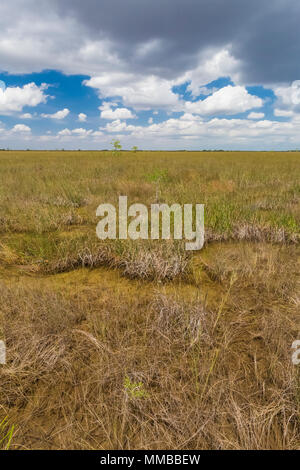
270,46
263,33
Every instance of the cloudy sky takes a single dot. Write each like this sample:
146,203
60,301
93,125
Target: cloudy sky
159,74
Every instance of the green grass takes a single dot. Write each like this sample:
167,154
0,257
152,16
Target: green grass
46,195
6,434
39,190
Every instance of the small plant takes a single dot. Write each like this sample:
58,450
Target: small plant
6,434
134,389
158,176
117,147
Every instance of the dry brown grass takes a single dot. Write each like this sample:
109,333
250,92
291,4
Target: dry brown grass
254,233
146,261
215,363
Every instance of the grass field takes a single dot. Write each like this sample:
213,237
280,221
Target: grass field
129,345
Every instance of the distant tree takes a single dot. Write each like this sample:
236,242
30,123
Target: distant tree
117,147
134,149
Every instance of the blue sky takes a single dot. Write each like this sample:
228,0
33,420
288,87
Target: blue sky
69,81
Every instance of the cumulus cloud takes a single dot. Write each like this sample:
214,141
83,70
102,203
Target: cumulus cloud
117,126
189,131
212,64
79,132
26,116
228,131
119,113
21,128
255,115
53,41
58,115
288,99
65,132
138,92
283,113
227,100
14,99
82,117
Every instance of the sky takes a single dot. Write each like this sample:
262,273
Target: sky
165,74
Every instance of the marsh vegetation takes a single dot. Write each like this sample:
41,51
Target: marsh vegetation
127,345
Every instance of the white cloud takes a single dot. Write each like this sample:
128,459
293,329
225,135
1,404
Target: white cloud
136,91
283,113
58,115
288,100
227,100
52,41
26,116
116,126
65,132
224,132
21,128
190,117
14,99
186,124
82,117
188,131
80,132
288,96
98,134
119,113
254,115
204,90
212,64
